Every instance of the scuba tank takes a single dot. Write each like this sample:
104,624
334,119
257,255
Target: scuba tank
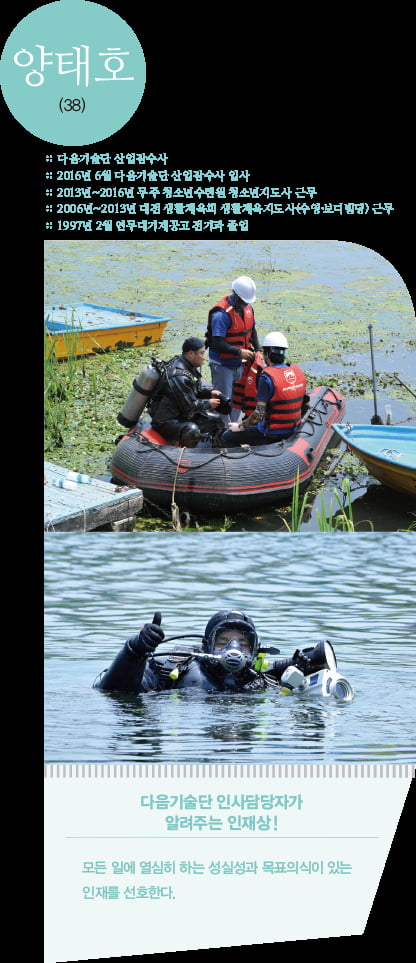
143,387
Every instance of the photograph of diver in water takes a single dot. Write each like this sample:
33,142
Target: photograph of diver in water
229,658
228,647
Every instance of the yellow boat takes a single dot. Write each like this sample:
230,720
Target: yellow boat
81,328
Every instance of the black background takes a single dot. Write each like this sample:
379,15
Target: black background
296,98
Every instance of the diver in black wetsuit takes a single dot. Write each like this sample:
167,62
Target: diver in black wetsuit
183,409
230,659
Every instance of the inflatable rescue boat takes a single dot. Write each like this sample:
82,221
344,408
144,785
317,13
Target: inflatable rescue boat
228,481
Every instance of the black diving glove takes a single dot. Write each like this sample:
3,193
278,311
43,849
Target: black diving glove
225,405
301,661
149,637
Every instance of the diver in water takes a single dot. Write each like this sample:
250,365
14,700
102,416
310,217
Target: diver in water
229,659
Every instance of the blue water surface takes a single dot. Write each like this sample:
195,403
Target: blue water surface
355,590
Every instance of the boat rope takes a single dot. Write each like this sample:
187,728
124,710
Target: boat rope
176,522
162,450
227,454
220,453
404,386
155,507
313,417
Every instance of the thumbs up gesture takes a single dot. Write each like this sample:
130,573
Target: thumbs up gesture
150,636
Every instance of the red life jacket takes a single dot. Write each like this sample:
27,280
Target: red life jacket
285,406
239,331
245,390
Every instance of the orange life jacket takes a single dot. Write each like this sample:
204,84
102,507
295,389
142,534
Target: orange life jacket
245,390
285,406
239,331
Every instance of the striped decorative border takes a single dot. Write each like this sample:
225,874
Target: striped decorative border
127,771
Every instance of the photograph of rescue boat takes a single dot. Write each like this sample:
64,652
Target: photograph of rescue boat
134,671
319,296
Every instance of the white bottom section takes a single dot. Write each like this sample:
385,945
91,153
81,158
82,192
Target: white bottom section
186,858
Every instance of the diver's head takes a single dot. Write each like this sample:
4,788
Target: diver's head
232,636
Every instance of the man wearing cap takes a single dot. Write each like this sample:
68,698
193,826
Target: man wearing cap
182,407
231,336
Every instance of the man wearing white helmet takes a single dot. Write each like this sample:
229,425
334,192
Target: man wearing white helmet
231,336
279,400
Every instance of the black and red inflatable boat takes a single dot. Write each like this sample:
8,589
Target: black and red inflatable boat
228,481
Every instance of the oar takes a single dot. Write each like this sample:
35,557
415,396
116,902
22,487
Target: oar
376,420
405,386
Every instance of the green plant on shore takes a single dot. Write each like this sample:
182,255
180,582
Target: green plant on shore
95,392
298,508
186,524
328,520
220,527
343,519
412,526
59,380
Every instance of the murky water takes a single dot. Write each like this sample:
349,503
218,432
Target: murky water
355,590
322,293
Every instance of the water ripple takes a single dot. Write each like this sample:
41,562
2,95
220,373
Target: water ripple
356,590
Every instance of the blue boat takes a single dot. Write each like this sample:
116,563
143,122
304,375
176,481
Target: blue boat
388,451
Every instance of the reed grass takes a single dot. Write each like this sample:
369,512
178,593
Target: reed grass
95,392
298,508
412,526
338,516
59,381
82,395
328,521
343,519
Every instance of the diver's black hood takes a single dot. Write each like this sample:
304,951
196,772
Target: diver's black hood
230,619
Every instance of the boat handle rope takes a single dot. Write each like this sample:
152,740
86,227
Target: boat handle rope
243,451
235,454
176,522
155,447
337,401
221,453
